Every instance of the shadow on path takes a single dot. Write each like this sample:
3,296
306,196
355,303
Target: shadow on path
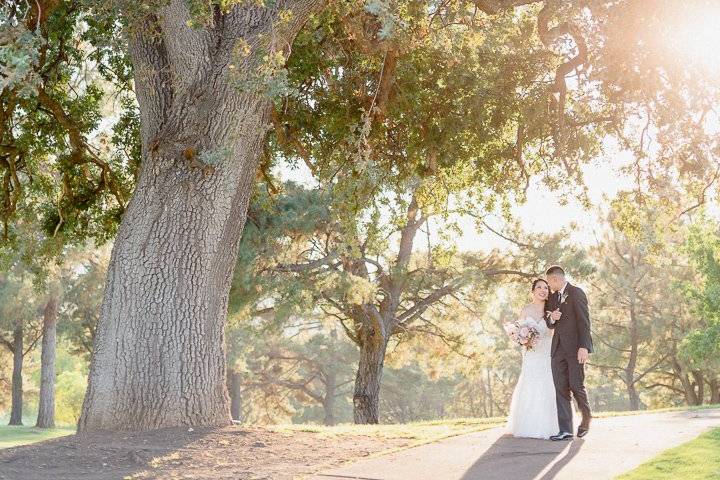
523,459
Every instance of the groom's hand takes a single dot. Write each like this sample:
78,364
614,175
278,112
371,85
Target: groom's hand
582,355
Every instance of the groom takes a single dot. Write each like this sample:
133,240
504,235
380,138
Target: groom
569,316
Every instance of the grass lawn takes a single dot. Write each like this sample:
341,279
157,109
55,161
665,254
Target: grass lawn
13,436
697,459
419,431
695,408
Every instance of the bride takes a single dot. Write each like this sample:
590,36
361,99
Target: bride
533,412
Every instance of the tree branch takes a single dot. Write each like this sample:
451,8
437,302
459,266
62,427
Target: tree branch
548,35
505,237
702,197
651,369
493,7
669,387
304,267
420,305
7,344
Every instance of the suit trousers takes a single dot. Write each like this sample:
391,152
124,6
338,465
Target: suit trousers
569,376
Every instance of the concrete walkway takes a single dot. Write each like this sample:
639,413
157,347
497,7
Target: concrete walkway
613,446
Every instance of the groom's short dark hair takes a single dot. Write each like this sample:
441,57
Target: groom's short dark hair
555,270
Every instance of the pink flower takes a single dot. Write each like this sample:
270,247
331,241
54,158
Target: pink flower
524,331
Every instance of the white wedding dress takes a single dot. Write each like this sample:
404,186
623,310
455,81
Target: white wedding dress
533,411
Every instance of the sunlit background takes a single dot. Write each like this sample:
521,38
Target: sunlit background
293,351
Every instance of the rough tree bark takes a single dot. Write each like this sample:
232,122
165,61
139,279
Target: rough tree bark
17,381
159,349
46,407
366,396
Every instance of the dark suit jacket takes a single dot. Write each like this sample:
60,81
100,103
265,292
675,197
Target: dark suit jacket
572,331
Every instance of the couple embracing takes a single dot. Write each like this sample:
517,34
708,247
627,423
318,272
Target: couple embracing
555,368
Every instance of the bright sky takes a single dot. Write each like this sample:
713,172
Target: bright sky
543,212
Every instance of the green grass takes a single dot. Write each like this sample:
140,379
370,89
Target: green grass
431,431
420,432
697,459
658,410
448,427
14,436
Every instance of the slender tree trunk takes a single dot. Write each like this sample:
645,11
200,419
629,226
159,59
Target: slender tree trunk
234,388
329,399
366,397
159,356
490,392
699,384
379,322
485,409
633,397
46,407
17,381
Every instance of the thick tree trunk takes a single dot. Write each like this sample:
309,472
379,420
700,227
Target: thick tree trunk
159,356
688,389
17,381
234,388
714,385
159,350
366,397
46,407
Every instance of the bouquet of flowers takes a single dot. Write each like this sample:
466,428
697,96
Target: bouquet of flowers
524,333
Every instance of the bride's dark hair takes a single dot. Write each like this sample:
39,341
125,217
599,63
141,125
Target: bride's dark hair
535,283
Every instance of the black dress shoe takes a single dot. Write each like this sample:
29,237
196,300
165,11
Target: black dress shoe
562,436
582,431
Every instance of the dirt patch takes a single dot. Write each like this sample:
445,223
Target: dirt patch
236,452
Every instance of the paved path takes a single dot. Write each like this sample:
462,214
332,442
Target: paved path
613,446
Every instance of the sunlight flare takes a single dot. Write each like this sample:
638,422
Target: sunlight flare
698,35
